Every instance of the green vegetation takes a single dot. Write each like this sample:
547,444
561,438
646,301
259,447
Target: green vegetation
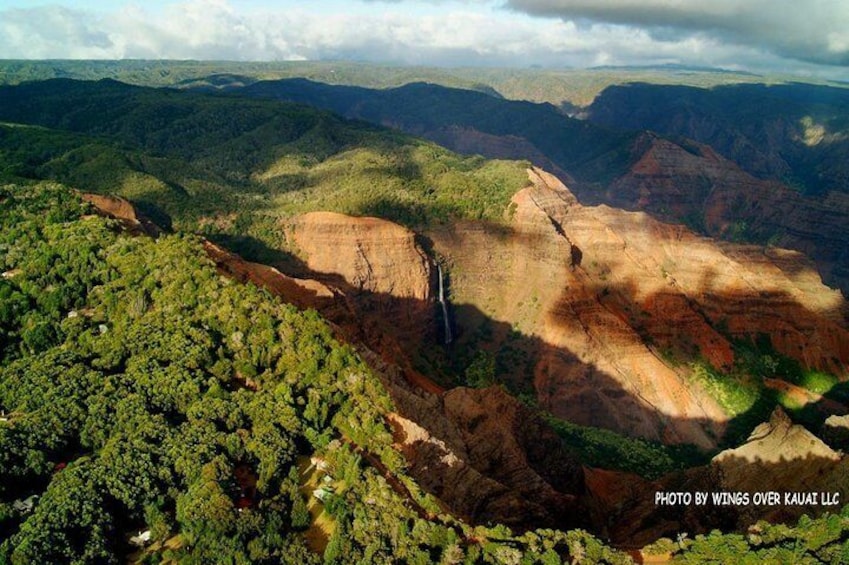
140,390
811,541
606,449
736,395
818,382
759,357
589,153
229,168
561,87
746,398
143,391
741,394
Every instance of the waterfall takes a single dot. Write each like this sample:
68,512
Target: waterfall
444,305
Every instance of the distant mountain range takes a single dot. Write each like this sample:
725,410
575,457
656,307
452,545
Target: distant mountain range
485,357
747,162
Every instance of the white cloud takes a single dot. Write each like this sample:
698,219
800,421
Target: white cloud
56,32
799,29
473,32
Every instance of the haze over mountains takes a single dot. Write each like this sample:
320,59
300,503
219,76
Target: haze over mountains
486,33
645,299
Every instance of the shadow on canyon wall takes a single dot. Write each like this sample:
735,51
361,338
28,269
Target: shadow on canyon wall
496,460
787,136
493,459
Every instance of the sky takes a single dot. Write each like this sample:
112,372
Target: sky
808,37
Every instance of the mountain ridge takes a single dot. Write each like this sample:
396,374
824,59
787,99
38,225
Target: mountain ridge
601,317
604,164
586,489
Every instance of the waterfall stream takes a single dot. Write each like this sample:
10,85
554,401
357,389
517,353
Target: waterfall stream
442,303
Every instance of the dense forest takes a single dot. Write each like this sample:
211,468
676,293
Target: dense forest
141,391
144,393
226,167
153,410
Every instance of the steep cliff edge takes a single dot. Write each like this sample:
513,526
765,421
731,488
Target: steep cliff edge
381,268
791,141
123,211
489,457
483,453
589,295
779,474
689,181
586,307
599,293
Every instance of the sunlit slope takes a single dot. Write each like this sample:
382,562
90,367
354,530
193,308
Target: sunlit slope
190,157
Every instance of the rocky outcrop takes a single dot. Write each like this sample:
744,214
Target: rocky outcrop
674,181
122,210
835,432
489,458
370,254
783,457
303,293
778,442
804,474
594,302
380,267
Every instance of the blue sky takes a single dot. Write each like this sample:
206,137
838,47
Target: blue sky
755,35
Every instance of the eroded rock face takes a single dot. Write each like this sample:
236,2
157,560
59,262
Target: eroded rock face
691,182
303,293
588,305
782,457
121,209
779,457
482,452
836,431
370,254
776,443
589,363
378,266
589,296
602,299
489,458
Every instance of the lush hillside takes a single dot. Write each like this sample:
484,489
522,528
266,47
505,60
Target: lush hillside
783,182
218,164
142,392
767,165
586,152
140,389
233,168
569,89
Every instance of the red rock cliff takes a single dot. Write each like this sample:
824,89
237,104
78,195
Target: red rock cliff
600,294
